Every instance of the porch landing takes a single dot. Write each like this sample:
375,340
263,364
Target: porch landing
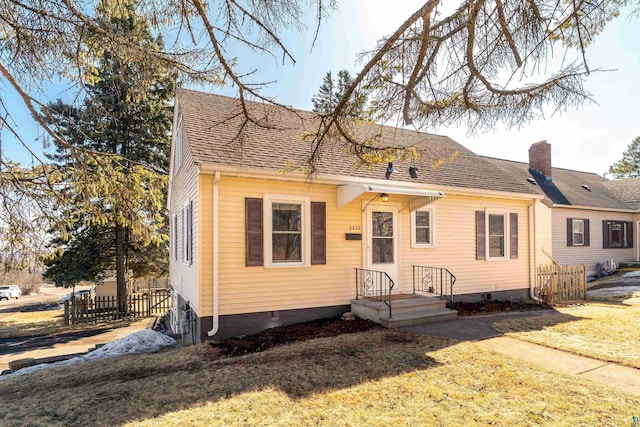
406,310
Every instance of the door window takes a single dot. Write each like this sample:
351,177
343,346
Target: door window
382,237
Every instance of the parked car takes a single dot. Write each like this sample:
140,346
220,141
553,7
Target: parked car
10,291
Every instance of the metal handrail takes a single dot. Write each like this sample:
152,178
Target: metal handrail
375,285
435,280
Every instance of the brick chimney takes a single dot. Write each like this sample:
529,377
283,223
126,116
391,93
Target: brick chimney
540,158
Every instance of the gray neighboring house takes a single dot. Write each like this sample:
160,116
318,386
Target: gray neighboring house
589,219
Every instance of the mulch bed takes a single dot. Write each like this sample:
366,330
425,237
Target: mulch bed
334,326
492,307
291,333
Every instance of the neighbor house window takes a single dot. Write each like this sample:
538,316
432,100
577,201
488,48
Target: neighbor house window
496,232
617,234
422,223
287,230
577,232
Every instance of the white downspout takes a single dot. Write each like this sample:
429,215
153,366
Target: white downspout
216,181
532,254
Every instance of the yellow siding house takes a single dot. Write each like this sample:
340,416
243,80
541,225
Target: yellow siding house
254,246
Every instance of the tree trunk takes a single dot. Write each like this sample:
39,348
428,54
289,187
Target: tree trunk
121,276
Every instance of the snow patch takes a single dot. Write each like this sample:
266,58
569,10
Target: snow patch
145,341
630,274
615,291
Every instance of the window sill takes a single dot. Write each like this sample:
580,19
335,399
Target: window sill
422,246
286,265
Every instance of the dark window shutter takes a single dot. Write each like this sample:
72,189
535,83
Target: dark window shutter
480,235
569,231
587,233
190,230
318,233
630,235
253,232
605,234
513,235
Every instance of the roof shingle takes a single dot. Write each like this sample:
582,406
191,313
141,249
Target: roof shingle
217,135
567,186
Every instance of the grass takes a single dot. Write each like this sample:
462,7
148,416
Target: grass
375,378
46,322
605,329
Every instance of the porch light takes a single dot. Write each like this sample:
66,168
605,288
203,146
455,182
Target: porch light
384,197
390,170
413,172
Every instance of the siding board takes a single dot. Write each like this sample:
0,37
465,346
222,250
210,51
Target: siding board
184,187
257,289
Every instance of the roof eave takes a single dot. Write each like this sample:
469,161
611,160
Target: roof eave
594,208
225,170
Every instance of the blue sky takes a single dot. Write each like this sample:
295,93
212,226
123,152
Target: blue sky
590,138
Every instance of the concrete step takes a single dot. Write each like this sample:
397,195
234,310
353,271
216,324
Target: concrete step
420,317
401,305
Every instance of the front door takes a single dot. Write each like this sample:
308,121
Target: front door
383,242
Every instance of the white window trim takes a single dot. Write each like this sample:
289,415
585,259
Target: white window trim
187,221
178,142
268,201
174,237
507,236
573,240
432,234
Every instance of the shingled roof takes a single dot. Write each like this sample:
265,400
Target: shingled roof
214,128
627,190
574,188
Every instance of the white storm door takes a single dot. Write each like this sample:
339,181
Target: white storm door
383,242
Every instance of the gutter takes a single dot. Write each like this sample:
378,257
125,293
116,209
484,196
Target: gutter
207,168
216,281
591,208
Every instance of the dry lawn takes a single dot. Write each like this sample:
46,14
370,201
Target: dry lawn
46,322
608,329
375,378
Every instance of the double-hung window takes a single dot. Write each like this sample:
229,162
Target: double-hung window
496,232
287,230
422,226
496,235
578,232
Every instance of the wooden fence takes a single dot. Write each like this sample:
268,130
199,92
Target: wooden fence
88,309
561,283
